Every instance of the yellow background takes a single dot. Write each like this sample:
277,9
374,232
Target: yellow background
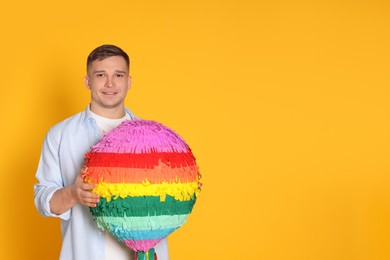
286,105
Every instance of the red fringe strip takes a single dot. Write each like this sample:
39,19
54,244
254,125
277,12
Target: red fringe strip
143,161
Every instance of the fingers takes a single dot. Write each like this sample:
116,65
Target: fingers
82,185
89,199
89,195
86,186
83,192
89,204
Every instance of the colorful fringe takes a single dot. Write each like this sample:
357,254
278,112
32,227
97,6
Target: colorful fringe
150,255
147,180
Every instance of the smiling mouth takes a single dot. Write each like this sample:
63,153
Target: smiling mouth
109,93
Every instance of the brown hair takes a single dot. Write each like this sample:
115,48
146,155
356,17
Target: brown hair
105,51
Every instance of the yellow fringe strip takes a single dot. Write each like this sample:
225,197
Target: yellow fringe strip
180,191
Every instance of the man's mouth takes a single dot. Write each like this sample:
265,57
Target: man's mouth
109,92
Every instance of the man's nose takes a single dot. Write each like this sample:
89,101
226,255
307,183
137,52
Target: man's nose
109,82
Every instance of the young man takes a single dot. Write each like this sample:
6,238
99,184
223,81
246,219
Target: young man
60,191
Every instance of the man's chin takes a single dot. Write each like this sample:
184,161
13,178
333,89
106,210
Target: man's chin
109,105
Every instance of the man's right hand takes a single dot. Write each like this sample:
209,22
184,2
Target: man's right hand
81,192
77,192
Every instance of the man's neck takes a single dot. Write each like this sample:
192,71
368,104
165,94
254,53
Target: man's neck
112,113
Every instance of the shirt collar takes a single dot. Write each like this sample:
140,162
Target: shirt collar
88,115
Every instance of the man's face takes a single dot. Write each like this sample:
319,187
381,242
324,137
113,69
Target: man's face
108,81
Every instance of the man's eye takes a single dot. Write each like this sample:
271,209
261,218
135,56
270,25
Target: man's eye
119,75
100,75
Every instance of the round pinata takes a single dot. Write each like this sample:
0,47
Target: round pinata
148,181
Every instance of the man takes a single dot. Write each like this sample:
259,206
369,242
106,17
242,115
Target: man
60,191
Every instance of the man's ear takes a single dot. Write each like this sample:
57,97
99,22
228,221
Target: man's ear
129,84
86,82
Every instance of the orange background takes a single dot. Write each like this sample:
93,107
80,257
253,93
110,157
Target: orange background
284,103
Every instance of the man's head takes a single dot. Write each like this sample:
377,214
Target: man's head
105,51
108,80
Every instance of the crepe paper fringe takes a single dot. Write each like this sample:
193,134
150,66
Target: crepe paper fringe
142,206
141,223
141,245
140,239
161,173
180,191
141,136
148,181
136,235
142,161
150,255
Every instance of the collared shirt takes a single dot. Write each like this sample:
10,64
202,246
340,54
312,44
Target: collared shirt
61,160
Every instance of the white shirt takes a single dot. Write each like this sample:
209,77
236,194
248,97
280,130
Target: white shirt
107,124
61,160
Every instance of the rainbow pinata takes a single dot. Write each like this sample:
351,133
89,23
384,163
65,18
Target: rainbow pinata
147,180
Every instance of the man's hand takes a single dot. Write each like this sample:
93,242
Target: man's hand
77,192
81,192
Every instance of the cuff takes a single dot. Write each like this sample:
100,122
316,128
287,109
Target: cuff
46,198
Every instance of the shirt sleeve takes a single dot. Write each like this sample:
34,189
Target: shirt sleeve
49,177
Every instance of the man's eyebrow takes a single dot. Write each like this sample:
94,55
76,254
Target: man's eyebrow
103,71
99,71
120,71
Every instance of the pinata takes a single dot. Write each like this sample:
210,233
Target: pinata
148,182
